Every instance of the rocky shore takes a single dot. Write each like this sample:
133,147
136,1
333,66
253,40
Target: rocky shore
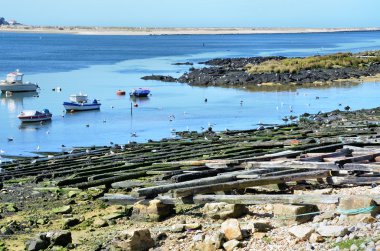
232,72
308,185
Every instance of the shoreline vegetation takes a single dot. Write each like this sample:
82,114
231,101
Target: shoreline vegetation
281,71
89,30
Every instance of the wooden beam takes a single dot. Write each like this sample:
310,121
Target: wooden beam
341,153
291,164
259,199
242,184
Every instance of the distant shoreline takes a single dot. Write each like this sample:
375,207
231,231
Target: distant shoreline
130,31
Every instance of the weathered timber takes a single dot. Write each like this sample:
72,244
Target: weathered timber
242,184
326,148
153,191
109,181
291,164
267,157
258,199
200,174
366,157
341,153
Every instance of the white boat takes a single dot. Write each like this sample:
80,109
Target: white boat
34,116
80,98
14,83
82,106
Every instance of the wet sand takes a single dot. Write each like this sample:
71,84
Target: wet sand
169,31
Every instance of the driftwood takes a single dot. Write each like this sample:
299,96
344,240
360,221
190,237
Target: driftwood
242,184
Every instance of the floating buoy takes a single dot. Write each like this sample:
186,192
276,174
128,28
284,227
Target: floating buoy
120,92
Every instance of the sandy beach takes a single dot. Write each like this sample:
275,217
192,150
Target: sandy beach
169,31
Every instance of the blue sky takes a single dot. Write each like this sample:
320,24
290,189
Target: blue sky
195,13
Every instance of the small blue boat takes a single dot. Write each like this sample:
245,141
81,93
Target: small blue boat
140,92
81,106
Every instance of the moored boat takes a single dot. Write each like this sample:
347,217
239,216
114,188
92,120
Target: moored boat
82,106
140,92
80,97
34,116
14,83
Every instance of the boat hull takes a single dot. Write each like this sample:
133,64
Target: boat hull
80,106
35,118
18,87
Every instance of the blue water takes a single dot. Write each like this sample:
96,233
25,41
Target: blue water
100,65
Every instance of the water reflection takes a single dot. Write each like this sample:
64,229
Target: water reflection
15,101
35,126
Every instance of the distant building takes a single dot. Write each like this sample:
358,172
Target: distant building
13,22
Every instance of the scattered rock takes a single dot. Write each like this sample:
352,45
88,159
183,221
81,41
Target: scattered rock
332,231
316,238
301,232
38,243
261,226
70,222
231,245
153,210
72,194
11,208
98,223
290,214
134,240
231,229
208,242
59,238
63,210
223,210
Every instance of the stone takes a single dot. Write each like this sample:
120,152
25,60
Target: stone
98,223
354,247
332,231
38,243
134,240
261,226
72,194
324,216
70,222
316,238
223,210
192,226
301,232
113,216
153,210
231,229
355,203
211,242
59,238
367,219
11,208
6,230
292,214
63,210
231,245
177,228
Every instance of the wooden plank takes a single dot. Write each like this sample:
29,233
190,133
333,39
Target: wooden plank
366,157
326,148
372,167
242,184
340,153
259,199
291,164
267,157
225,177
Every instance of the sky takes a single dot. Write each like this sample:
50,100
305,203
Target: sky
195,13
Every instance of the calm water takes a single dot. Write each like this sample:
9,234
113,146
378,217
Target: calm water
100,65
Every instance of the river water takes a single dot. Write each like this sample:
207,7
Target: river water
100,65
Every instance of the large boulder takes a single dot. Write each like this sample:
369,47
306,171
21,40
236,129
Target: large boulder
231,229
223,210
294,214
59,238
134,240
38,243
352,204
153,210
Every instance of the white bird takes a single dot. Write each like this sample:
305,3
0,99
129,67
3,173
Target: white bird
134,134
172,129
33,161
87,151
38,148
47,132
206,138
277,108
2,151
104,120
10,139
